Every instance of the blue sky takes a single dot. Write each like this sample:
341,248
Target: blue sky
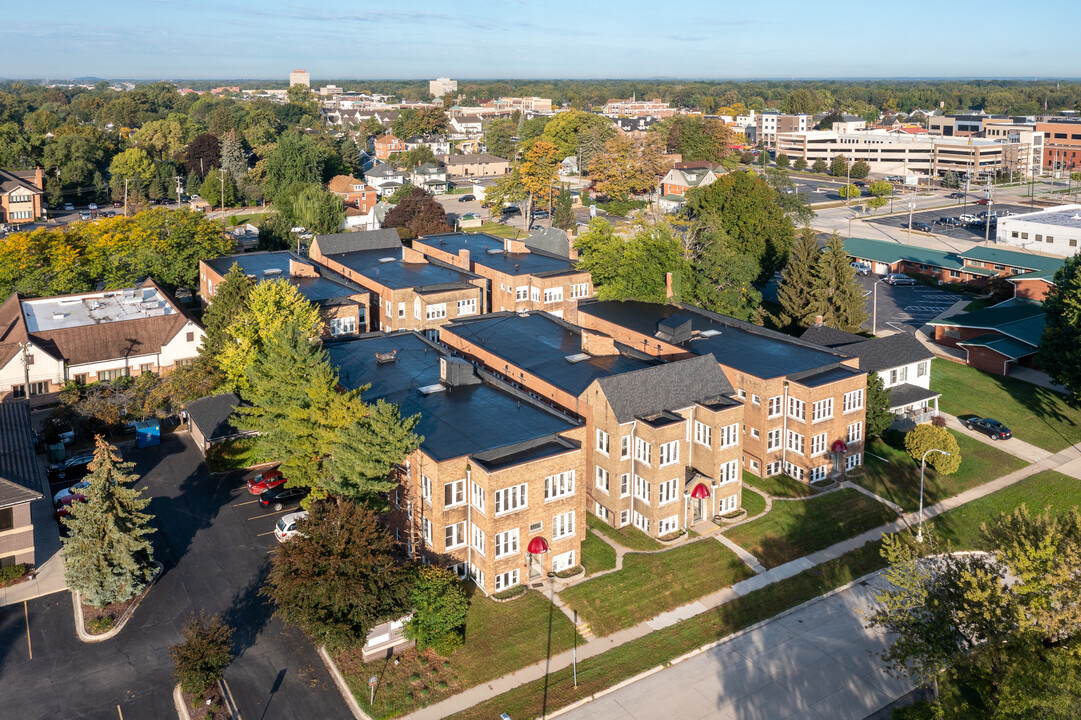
536,39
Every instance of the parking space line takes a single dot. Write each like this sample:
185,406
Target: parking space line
266,533
248,502
277,512
29,646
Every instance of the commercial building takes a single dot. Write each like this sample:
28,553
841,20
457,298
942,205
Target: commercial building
476,165
997,337
1056,231
442,86
21,196
300,77
537,105
46,342
495,488
769,125
1061,142
637,108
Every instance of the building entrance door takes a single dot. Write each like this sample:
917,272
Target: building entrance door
536,568
699,509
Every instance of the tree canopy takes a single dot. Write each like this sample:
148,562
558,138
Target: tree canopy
1062,328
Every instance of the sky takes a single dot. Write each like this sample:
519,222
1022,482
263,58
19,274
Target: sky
524,39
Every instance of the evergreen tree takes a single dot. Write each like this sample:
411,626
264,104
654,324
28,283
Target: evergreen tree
838,166
107,556
721,279
1062,331
819,166
226,307
878,416
193,182
800,164
796,289
233,160
860,169
838,297
563,216
366,452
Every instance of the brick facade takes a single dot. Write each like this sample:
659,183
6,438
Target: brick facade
17,544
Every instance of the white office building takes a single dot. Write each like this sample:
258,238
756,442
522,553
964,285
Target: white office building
441,86
1055,231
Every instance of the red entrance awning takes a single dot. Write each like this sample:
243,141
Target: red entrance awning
700,491
839,446
537,546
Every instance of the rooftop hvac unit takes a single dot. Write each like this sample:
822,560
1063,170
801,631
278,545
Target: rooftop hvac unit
456,372
59,315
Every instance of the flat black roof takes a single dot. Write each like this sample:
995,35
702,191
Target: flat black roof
398,274
316,289
509,263
737,344
540,345
458,421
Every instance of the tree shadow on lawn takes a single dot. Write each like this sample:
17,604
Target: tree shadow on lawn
1042,401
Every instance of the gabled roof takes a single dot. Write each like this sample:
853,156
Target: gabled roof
472,159
829,337
383,170
1005,346
382,239
344,184
672,386
11,181
891,252
1020,320
878,354
20,471
215,415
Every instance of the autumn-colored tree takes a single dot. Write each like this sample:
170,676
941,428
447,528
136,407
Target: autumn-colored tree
628,167
418,213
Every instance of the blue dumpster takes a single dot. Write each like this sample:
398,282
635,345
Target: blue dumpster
147,433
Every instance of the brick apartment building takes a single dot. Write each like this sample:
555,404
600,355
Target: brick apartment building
1061,143
519,278
495,488
21,195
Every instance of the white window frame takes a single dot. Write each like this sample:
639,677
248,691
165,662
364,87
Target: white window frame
853,401
855,432
667,526
625,485
477,539
822,410
819,473
729,436
563,561
797,409
521,293
458,531
477,497
511,499
703,434
603,441
553,295
668,453
535,294
667,492
579,290
774,439
624,517
426,489
625,447
507,580
641,489
728,504
602,479
794,471
455,490
559,486
467,307
773,468
640,521
818,444
776,406
506,543
643,450
728,472
435,311
426,530
854,460
401,310
794,442
563,525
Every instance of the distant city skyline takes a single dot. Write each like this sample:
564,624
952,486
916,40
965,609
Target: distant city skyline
532,39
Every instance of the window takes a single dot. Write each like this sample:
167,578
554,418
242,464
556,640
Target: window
454,493
818,444
602,512
641,522
754,464
113,374
467,307
436,312
426,529
666,492
580,290
602,478
477,497
625,485
506,543
426,488
796,408
729,472
643,451
741,394
478,539
854,460
79,378
853,400
855,432
703,434
641,489
552,295
819,473
561,485
563,561
668,526
506,581
624,447
7,518
602,441
536,527
729,504
921,368
190,337
534,294
773,468
795,442
773,439
794,471
755,400
898,375
774,409
822,410
343,326
669,453
729,436
563,525
477,574
521,293
455,535
416,308
755,434
510,499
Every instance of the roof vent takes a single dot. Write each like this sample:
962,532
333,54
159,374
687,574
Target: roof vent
576,358
495,251
674,329
59,315
1076,216
272,271
381,358
430,389
709,333
523,314
69,301
387,260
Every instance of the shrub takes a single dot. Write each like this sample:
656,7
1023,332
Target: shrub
11,573
939,421
923,438
800,164
819,166
100,625
205,652
510,593
446,645
440,609
782,160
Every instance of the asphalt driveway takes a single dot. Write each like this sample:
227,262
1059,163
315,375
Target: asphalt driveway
215,544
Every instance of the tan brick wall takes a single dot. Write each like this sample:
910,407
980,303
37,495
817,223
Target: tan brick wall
19,541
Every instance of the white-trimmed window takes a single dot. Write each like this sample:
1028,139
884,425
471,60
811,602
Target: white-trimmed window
401,310
641,522
416,308
426,530
756,400
467,307
601,511
641,489
624,517
755,434
602,478
579,290
534,294
454,535
625,485
624,447
753,463
559,485
454,494
921,368
855,432
563,561
552,295
506,543
563,525
729,436
343,325
507,580
822,410
775,408
666,492
773,439
796,408
703,434
773,468
854,460
741,394
510,499
729,472
819,473
818,444
669,453
728,504
668,526
477,493
795,442
438,311
521,293
643,451
898,375
477,574
794,471
853,400
602,441
478,539
426,488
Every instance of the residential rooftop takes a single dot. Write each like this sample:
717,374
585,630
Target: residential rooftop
69,311
387,268
492,252
320,289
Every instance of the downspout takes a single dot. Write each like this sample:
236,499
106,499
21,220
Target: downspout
469,521
784,428
634,466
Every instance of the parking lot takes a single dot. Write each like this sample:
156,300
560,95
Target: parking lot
932,218
905,308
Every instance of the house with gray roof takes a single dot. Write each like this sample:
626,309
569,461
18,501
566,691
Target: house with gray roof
21,484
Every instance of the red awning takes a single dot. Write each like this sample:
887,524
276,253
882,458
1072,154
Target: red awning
840,446
537,546
700,491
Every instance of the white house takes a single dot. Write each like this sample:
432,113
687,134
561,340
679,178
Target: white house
385,178
467,125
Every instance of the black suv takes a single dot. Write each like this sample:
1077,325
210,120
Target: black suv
73,467
277,498
990,427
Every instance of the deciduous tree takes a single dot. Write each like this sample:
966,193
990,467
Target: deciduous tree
439,610
860,169
925,437
1058,353
202,154
418,213
721,279
204,653
631,268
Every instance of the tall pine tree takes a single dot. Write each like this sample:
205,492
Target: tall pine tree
365,453
227,306
838,297
563,215
233,160
796,290
107,556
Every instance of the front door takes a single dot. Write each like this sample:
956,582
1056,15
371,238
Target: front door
699,509
536,567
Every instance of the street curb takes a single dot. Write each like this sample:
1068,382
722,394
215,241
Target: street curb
704,648
343,688
178,702
80,628
182,709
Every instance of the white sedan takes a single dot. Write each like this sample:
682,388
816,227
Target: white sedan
287,525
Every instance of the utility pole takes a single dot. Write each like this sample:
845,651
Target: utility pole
178,190
126,196
26,369
990,202
221,176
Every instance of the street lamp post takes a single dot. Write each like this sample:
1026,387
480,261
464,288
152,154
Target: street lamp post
911,207
923,465
874,307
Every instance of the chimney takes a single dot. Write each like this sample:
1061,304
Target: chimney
39,178
572,252
668,293
514,246
819,320
301,269
463,259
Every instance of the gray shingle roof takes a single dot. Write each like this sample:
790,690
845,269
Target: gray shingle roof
880,354
382,239
20,471
214,415
906,394
673,386
830,337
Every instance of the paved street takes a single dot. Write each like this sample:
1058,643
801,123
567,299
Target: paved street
817,663
215,542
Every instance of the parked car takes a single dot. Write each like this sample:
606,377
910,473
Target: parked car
788,191
983,201
861,268
540,214
84,215
286,526
956,195
898,279
859,183
467,198
921,226
73,467
265,481
117,203
63,506
511,210
947,221
69,207
75,489
277,498
990,427
92,206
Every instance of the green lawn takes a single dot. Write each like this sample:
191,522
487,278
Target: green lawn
899,479
500,638
780,486
651,584
1035,414
753,503
233,455
501,230
597,555
795,528
628,536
